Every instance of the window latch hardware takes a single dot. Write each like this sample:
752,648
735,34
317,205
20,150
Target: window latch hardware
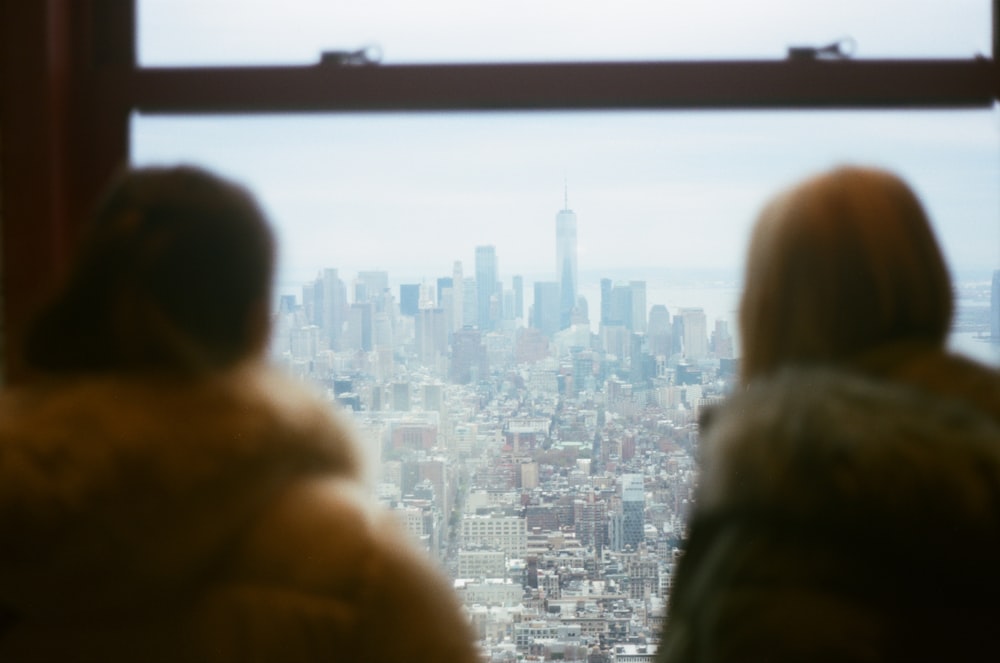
841,49
364,56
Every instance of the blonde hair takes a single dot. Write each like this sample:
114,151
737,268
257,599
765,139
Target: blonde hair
838,265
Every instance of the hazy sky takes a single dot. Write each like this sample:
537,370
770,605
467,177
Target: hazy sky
412,193
295,31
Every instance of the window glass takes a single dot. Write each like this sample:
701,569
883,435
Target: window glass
667,198
196,32
549,468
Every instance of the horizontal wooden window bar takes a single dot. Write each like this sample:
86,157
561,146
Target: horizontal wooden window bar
553,86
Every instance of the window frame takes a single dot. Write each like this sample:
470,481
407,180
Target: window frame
70,82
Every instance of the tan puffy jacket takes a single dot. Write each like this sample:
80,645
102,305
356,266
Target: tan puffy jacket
221,519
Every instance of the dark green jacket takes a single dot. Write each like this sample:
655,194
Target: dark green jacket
841,518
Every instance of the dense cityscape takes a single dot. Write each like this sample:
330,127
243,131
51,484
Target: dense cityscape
546,466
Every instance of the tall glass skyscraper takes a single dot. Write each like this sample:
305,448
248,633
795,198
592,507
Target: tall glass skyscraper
544,312
458,293
334,306
638,305
518,286
627,526
487,297
566,265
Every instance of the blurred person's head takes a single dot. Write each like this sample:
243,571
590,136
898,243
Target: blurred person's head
838,265
173,274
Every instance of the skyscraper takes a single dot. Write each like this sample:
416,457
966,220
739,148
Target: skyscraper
443,283
312,304
658,331
508,306
566,263
620,309
638,305
633,508
334,306
431,335
375,284
470,309
721,342
695,334
360,327
518,285
468,357
605,301
590,520
446,300
409,298
545,310
458,293
487,297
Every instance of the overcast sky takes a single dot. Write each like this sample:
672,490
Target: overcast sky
295,31
413,193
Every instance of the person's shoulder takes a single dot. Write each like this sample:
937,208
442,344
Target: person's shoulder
248,391
251,411
326,533
326,538
822,432
316,535
181,430
824,403
295,412
958,377
946,374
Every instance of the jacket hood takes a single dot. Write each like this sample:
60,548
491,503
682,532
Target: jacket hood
123,487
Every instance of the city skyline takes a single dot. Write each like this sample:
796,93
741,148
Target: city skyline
679,190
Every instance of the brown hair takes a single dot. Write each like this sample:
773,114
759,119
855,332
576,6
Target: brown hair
838,265
174,273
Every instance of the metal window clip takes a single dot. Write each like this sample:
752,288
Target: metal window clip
364,56
841,49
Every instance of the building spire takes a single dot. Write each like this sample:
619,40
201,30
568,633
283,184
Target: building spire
565,193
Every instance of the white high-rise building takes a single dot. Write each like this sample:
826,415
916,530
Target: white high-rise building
334,307
566,263
638,291
470,308
457,294
695,333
